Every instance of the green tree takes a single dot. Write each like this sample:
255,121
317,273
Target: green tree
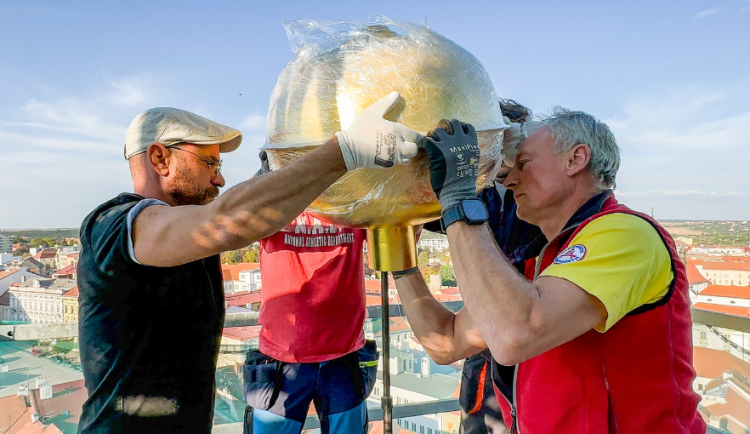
423,258
447,276
429,270
231,257
252,254
19,240
36,242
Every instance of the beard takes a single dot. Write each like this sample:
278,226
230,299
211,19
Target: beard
186,189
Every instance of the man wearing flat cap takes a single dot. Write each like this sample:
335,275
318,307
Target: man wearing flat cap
151,292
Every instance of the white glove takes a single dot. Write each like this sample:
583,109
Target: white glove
372,142
512,140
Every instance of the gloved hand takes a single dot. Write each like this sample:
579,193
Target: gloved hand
373,142
512,141
454,162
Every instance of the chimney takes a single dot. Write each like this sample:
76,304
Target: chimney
23,279
426,367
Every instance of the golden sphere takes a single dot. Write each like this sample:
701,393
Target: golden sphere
323,89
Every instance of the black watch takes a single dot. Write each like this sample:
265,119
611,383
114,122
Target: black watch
469,211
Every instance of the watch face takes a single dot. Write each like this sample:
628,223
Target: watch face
474,210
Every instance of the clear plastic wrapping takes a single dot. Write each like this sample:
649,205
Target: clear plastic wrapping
342,68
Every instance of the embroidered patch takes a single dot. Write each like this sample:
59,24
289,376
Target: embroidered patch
571,254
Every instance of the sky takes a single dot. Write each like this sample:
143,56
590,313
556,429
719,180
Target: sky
671,78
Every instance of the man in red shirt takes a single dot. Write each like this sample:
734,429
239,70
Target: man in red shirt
312,346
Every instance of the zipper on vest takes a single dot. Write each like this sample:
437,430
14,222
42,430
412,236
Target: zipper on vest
513,405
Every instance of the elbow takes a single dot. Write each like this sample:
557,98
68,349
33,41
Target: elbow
506,353
512,348
443,358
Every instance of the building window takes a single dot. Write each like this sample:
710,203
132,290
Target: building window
704,335
731,302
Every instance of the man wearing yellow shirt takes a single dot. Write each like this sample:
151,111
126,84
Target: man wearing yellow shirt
598,340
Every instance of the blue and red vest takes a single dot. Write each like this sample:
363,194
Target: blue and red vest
635,378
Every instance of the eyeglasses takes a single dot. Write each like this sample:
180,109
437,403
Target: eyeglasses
210,162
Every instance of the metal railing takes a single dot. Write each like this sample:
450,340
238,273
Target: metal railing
374,414
34,332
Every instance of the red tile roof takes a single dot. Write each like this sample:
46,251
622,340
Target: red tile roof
736,406
242,334
376,300
727,291
6,273
46,254
232,272
373,286
694,276
710,363
72,293
12,409
729,310
65,397
399,324
726,266
67,271
242,298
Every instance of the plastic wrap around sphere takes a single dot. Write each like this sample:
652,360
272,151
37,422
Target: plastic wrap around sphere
323,90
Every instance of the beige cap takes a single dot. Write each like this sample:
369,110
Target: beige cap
167,125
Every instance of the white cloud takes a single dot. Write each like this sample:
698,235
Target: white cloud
688,150
66,151
657,193
253,123
704,14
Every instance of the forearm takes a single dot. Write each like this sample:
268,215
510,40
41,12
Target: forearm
437,328
261,206
500,301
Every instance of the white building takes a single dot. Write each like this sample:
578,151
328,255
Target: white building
718,250
433,244
241,277
8,277
38,300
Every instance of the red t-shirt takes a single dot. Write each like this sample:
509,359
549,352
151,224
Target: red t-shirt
313,293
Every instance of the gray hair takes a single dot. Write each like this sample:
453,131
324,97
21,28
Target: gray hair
570,128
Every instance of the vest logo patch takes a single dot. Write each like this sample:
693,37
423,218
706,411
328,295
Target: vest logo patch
571,254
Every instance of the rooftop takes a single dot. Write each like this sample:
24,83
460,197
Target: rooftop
742,292
232,272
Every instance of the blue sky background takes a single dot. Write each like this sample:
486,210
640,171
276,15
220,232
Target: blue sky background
672,79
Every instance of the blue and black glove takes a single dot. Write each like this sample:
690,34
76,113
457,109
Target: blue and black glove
454,162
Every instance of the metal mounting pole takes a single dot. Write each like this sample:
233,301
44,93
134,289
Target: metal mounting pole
386,401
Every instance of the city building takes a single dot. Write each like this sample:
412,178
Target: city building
70,305
6,243
38,300
244,276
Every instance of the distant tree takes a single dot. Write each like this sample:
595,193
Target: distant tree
429,270
19,240
36,242
63,243
423,258
447,275
252,254
231,257
20,252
